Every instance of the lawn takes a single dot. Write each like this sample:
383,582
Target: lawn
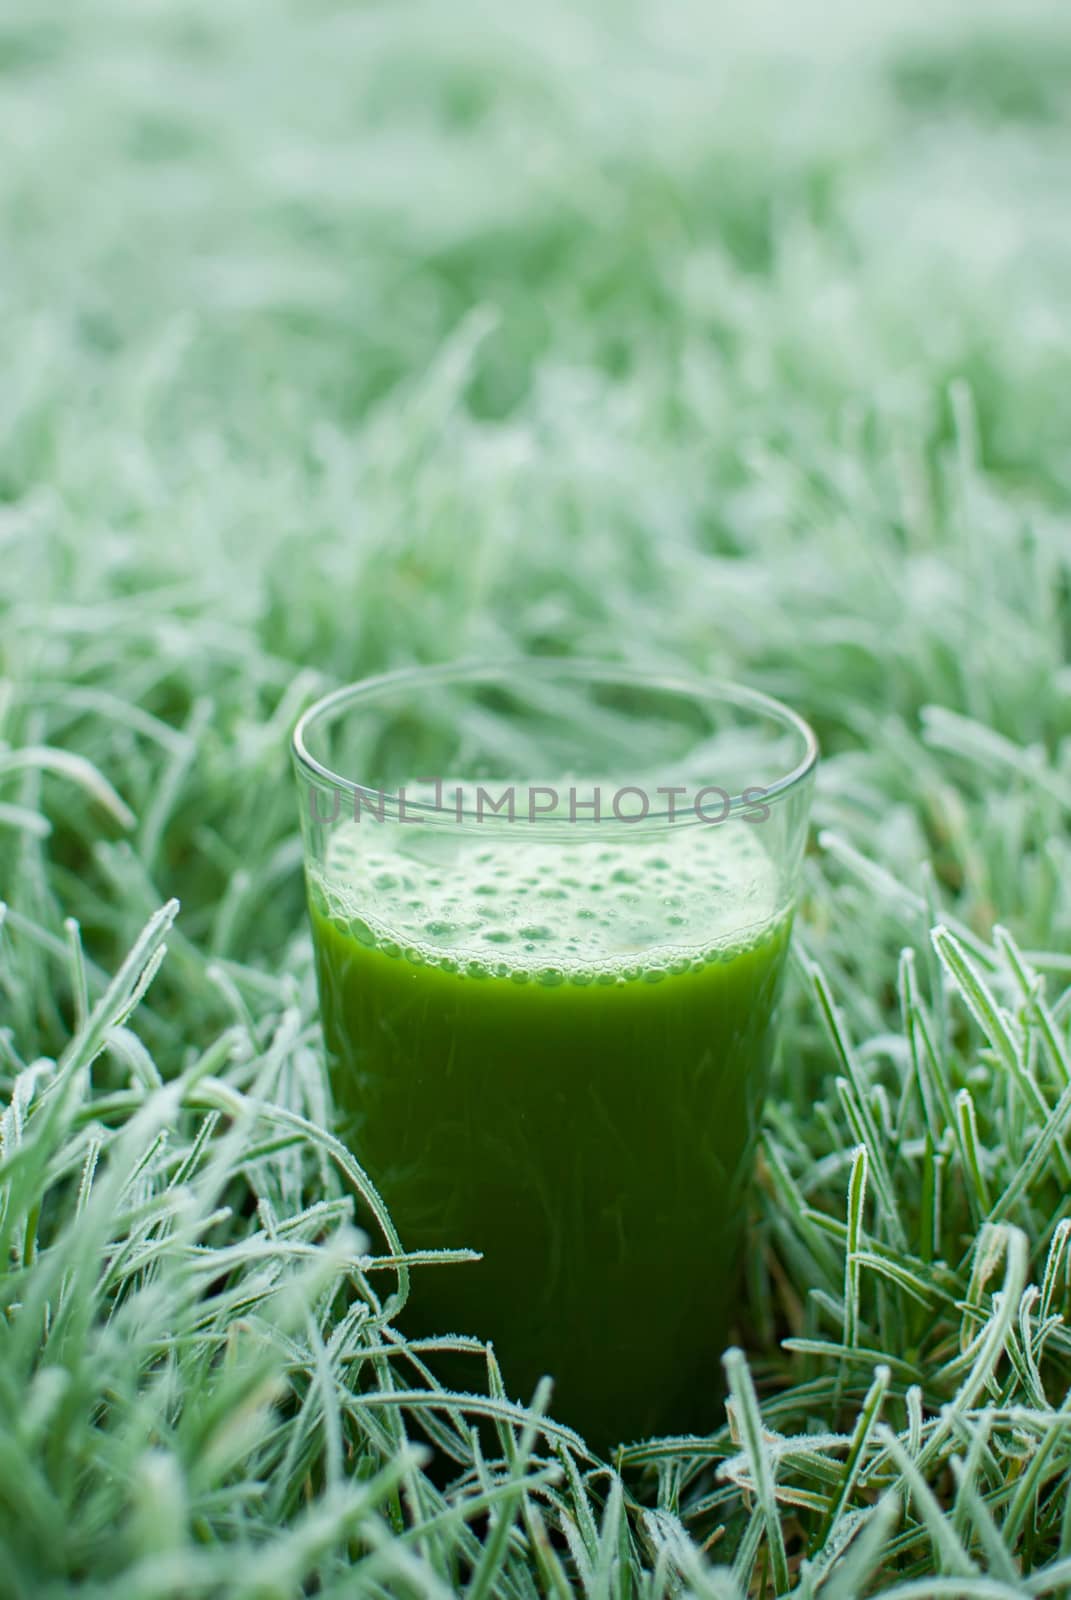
344,336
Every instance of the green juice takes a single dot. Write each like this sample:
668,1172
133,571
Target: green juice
556,1055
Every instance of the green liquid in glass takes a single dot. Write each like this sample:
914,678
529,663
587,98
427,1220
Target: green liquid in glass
587,1123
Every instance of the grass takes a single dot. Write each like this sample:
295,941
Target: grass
342,336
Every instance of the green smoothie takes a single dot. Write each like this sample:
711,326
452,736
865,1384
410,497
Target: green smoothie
556,1054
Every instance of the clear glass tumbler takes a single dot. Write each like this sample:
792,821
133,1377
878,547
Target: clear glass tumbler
551,902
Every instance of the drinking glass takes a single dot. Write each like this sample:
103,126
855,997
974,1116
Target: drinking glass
550,903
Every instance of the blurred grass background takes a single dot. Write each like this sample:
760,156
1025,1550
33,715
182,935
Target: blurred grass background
339,336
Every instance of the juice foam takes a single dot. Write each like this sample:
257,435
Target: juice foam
541,910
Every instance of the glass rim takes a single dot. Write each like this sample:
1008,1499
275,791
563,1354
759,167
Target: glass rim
368,690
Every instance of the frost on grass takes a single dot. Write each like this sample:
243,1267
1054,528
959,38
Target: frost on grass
341,337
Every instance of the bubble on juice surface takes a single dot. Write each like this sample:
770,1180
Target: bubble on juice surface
551,911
